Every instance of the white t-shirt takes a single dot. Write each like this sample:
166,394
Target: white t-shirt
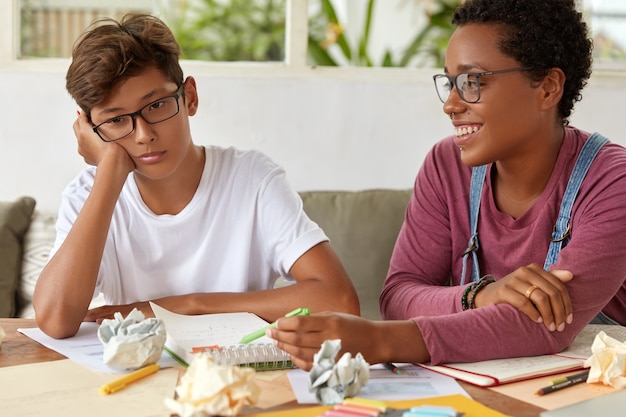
243,228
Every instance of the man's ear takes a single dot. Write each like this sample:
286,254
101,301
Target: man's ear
551,88
191,95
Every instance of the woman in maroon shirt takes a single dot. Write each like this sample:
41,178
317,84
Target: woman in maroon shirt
514,70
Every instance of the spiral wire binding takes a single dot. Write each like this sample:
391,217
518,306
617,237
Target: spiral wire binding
260,356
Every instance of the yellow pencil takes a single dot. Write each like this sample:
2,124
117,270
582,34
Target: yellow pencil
119,384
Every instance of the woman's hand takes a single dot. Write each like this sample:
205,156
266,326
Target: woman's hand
302,336
541,295
377,341
94,150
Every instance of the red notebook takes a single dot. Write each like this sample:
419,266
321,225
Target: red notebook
504,371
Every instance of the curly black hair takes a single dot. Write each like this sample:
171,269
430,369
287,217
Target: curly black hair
541,34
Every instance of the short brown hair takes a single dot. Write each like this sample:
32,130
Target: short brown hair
112,51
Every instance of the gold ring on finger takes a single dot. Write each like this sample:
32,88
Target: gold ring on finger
530,290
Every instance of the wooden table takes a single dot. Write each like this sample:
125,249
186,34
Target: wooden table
17,349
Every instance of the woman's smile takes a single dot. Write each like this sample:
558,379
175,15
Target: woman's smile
464,133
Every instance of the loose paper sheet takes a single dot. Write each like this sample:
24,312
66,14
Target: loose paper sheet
221,329
383,385
525,391
84,348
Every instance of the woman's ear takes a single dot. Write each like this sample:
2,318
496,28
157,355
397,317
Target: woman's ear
191,95
551,88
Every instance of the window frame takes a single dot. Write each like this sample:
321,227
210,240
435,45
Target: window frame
295,63
296,30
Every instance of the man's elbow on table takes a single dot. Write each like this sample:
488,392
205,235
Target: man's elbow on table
55,324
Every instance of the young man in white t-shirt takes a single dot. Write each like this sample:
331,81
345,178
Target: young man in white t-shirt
156,217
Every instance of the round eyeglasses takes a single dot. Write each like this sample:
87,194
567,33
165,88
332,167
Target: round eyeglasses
158,111
467,84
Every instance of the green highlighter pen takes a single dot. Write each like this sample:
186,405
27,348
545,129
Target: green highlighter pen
303,311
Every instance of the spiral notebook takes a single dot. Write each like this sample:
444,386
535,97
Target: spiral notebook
219,335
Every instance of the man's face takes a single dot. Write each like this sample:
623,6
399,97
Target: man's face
157,149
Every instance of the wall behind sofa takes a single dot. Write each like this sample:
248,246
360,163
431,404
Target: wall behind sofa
331,129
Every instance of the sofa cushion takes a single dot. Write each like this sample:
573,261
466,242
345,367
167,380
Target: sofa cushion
15,217
362,227
37,244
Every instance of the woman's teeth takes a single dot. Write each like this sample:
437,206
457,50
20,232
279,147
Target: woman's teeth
460,131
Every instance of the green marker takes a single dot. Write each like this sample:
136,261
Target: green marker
303,311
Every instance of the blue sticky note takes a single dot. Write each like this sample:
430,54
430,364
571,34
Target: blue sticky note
431,411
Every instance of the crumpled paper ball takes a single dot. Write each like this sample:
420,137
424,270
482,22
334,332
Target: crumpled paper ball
132,342
208,389
2,335
334,382
607,362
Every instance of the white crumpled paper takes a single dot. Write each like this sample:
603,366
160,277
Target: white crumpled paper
608,361
2,335
334,382
208,389
132,342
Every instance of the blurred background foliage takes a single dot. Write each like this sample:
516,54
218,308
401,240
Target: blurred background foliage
236,30
244,30
427,48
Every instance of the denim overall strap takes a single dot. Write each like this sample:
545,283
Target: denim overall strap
476,190
561,233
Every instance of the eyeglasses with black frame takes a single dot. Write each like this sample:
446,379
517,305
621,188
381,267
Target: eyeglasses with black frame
467,84
158,111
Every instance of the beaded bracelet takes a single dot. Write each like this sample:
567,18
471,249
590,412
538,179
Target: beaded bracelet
464,304
472,290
